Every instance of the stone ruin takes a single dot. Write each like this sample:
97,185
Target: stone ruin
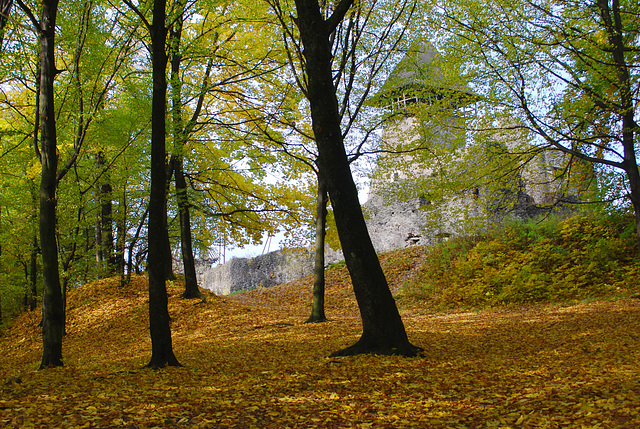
396,220
269,269
395,223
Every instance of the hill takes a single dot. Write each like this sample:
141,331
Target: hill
249,361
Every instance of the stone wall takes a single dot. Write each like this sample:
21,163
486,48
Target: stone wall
266,270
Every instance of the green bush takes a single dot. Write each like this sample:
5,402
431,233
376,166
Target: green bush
553,260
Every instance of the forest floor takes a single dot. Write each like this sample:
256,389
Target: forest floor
249,361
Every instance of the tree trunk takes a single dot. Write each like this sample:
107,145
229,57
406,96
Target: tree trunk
611,16
53,309
98,243
383,330
317,305
160,330
177,161
5,9
132,245
191,282
106,220
33,263
33,274
166,242
121,227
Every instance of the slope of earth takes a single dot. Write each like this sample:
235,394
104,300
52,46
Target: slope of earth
249,361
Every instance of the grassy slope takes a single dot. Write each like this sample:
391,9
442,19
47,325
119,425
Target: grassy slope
249,361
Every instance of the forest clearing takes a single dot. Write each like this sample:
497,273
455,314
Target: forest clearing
249,361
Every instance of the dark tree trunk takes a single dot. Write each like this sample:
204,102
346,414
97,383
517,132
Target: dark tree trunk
167,256
5,10
191,282
177,161
35,250
612,19
52,303
166,241
106,219
121,228
160,329
383,330
132,244
317,305
33,274
98,243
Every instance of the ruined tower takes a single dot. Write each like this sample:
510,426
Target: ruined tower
427,109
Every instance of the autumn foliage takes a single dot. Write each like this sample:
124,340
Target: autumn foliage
250,361
549,260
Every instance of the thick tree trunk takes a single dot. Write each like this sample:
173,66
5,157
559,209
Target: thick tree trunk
161,347
317,305
52,303
383,330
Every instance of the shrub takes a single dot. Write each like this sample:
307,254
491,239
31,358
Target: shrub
525,262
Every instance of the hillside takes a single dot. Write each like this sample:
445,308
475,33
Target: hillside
250,362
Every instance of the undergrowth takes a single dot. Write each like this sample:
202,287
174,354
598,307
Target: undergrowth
553,260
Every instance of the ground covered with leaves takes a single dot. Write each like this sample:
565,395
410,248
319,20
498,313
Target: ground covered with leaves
249,361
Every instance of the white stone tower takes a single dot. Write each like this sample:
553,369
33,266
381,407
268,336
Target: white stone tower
418,84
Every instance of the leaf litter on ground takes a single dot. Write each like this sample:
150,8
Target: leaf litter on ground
250,361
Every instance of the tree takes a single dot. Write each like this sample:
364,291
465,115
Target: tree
566,71
317,303
383,330
162,350
5,10
159,320
362,45
180,133
53,305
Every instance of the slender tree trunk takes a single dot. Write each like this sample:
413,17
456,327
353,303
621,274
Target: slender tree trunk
317,305
383,330
612,19
53,307
132,244
161,346
191,282
98,243
5,10
33,274
121,225
166,241
106,219
33,263
177,161
631,169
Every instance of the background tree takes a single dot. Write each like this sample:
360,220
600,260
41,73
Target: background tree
383,330
53,305
160,330
565,73
362,45
5,10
